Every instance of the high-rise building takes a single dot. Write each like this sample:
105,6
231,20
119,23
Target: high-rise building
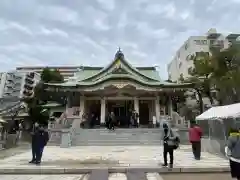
18,84
181,62
66,71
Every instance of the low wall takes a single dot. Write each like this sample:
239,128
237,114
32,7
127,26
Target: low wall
2,144
11,141
55,136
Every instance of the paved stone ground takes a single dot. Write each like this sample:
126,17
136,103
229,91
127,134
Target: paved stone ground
112,156
120,176
4,153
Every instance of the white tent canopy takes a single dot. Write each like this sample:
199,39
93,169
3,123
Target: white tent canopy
218,112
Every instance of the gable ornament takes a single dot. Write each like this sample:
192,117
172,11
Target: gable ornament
120,85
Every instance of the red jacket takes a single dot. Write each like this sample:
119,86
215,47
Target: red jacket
195,134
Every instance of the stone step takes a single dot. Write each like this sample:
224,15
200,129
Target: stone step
137,136
121,130
114,144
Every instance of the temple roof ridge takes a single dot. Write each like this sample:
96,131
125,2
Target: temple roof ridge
120,59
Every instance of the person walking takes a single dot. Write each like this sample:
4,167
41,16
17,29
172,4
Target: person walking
42,138
92,120
135,117
170,143
195,135
233,152
112,121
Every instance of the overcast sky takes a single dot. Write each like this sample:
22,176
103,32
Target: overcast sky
89,32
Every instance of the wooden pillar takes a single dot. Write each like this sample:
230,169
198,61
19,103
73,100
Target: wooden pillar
82,107
157,108
136,106
170,106
103,110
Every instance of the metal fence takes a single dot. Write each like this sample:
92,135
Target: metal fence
216,132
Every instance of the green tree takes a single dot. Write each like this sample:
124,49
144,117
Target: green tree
35,110
51,76
226,72
200,76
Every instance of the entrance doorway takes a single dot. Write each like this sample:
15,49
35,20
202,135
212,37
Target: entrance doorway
93,112
122,110
144,112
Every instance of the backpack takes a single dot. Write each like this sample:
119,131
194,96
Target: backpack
175,139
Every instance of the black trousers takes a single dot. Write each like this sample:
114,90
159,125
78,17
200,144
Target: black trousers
196,149
34,152
167,150
111,125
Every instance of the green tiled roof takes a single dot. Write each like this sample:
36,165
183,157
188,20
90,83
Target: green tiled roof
85,74
90,76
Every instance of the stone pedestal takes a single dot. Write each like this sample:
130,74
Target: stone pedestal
65,138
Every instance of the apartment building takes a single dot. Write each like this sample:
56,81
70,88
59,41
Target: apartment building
18,84
192,46
66,71
181,62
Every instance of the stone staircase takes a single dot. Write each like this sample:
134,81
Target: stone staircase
119,137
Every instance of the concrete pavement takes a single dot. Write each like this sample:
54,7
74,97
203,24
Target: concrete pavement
122,176
115,158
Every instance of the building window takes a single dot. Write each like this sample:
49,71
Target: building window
186,46
200,42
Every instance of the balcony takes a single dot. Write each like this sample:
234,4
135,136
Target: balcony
29,81
9,85
10,79
30,75
28,87
27,93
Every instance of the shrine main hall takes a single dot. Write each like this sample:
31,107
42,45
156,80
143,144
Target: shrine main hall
119,88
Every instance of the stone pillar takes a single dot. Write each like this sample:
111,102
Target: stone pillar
103,111
82,107
157,108
68,104
65,138
136,106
